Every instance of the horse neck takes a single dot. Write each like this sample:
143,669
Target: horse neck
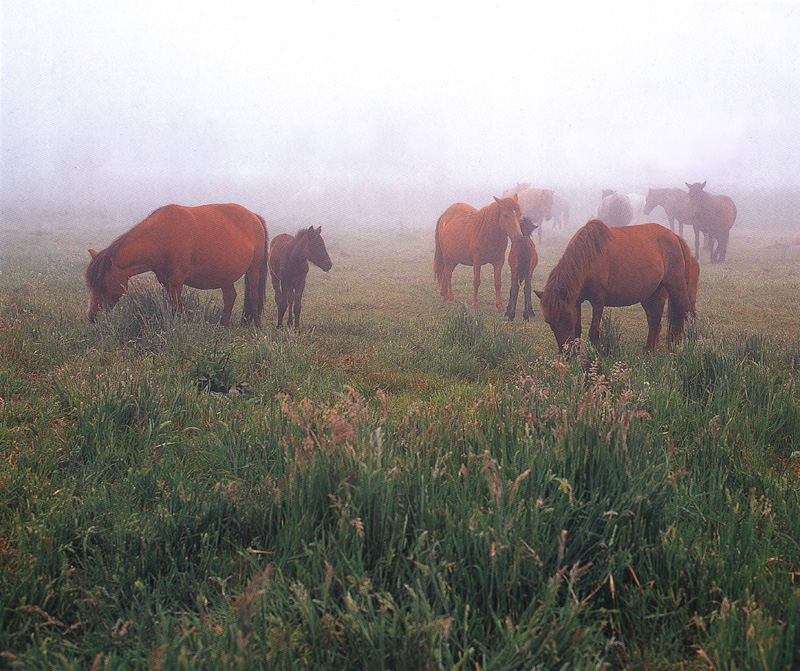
488,222
298,250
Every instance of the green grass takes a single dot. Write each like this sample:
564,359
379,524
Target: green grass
402,484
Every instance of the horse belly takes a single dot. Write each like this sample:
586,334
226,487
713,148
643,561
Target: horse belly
214,270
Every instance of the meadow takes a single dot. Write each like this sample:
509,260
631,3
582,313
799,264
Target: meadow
402,484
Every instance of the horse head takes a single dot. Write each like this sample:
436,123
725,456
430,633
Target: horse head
106,283
560,313
527,226
509,216
696,196
607,193
317,252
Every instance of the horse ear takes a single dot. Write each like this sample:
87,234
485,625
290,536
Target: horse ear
515,198
703,185
496,200
688,186
319,229
539,293
92,253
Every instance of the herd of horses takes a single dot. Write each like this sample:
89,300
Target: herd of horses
612,261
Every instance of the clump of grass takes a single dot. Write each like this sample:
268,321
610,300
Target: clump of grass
609,342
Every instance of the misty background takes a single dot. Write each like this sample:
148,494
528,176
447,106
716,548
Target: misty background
367,114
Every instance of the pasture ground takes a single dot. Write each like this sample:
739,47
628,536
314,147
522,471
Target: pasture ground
403,484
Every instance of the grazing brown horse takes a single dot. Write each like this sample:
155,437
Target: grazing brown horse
205,247
675,203
523,259
288,264
473,237
616,267
714,216
536,204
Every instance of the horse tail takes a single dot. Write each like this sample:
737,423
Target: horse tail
262,272
438,257
678,309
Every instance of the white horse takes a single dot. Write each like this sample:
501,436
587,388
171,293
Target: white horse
616,209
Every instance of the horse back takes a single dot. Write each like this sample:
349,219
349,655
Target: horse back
523,259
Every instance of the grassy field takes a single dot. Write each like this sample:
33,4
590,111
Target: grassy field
403,484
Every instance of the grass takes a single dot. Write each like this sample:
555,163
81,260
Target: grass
401,484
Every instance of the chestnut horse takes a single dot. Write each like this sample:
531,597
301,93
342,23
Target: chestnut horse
714,216
536,204
205,247
288,265
523,259
616,267
473,237
675,203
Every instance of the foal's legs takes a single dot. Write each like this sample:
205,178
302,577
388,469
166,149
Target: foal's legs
511,308
280,299
527,313
298,301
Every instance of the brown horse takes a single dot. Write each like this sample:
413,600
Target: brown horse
288,265
536,204
616,267
205,247
473,237
523,259
675,203
714,216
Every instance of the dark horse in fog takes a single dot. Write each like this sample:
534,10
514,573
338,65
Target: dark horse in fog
523,259
714,216
616,267
675,203
288,264
205,247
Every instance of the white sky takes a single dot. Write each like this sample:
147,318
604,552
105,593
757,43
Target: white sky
419,93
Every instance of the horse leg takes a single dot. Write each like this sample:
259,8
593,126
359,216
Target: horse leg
228,299
511,308
578,327
446,288
528,311
696,243
298,301
597,315
290,305
498,285
476,281
280,299
654,309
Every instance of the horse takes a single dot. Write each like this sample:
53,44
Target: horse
560,212
523,259
675,203
473,237
714,216
616,267
536,204
204,247
617,210
288,264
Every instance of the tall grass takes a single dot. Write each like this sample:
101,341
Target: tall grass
432,489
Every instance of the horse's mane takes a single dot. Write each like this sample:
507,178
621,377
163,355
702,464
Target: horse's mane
98,268
487,216
568,275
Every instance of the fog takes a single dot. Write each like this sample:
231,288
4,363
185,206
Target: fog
364,112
